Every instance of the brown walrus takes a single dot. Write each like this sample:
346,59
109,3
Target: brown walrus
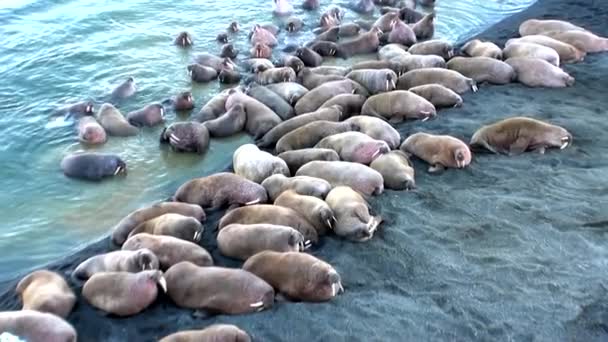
535,26
448,78
350,104
217,289
478,48
401,33
567,53
582,40
90,131
296,158
113,122
534,72
220,190
437,47
310,134
440,151
516,135
241,241
398,105
354,147
123,293
358,176
46,291
353,220
256,165
298,276
438,95
189,136
375,80
377,129
313,209
310,57
260,118
396,169
483,69
117,261
367,42
121,231
324,48
169,250
275,75
212,333
531,50
312,80
182,227
230,123
293,62
183,39
425,27
303,185
150,115
37,326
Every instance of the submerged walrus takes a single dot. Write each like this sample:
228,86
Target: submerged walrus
150,115
313,209
114,123
126,89
440,151
398,105
169,250
358,176
217,289
396,170
516,135
353,220
180,226
34,326
241,241
298,276
212,333
92,166
46,291
275,185
183,39
186,137
117,261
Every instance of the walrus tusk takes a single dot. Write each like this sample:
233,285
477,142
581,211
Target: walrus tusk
174,137
257,305
197,236
387,85
329,223
394,86
256,201
474,87
307,244
117,171
564,145
425,118
163,283
375,154
162,112
450,53
341,287
184,41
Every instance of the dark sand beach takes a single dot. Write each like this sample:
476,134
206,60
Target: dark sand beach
508,249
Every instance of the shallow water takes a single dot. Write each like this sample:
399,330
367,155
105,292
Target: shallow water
56,52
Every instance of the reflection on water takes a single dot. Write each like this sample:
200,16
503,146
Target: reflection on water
54,52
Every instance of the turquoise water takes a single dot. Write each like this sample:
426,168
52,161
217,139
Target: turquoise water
57,52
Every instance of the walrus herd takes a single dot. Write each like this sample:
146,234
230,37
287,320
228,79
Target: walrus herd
324,144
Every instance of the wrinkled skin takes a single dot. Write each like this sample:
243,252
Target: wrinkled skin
303,185
46,291
398,105
117,261
241,241
439,151
354,147
358,176
534,72
169,250
396,169
353,220
93,166
186,137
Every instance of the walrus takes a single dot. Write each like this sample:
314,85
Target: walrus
567,53
179,226
77,110
270,214
293,62
90,131
125,90
398,105
169,250
390,52
396,169
385,21
332,113
221,190
293,24
535,26
363,6
149,116
310,4
312,80
332,34
275,75
271,99
437,47
228,76
113,122
350,104
360,177
228,50
46,291
515,135
310,134
260,118
409,15
222,37
290,91
213,108
447,78
217,289
92,166
240,241
349,30
213,61
183,39
123,293
427,3
260,50
377,129
353,220
201,73
183,101
262,35
440,151
282,8
354,147
438,95
254,64
297,276
328,20
367,42
215,332
313,99
37,326
256,165
531,50
296,158
324,48
395,65
331,70
425,28
483,69
186,137
121,231
309,57
401,33
375,80
534,72
227,124
312,208
275,185
117,261
478,48
582,40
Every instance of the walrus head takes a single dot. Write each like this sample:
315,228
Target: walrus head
291,26
155,277
146,260
326,280
184,101
183,39
229,51
121,167
234,26
462,156
222,38
228,64
377,31
391,81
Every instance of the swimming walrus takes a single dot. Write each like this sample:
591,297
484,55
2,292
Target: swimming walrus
438,95
478,48
113,122
312,208
293,24
121,231
353,220
311,133
448,78
363,6
312,80
183,39
582,40
179,226
298,276
313,99
46,291
250,162
536,26
271,214
123,293
398,105
516,135
92,166
375,80
367,42
90,131
350,104
183,101
271,99
296,158
437,47
425,27
358,176
213,61
217,289
396,170
215,332
169,250
228,50
260,50
260,118
289,91
241,241
535,72
483,69
309,57
34,326
213,108
377,129
567,53
189,136
354,147
310,4
230,123
531,50
124,90
262,35
117,261
150,115
275,185
222,37
77,110
201,73
440,151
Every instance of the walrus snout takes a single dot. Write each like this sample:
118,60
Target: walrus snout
336,283
566,141
121,168
409,184
569,80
